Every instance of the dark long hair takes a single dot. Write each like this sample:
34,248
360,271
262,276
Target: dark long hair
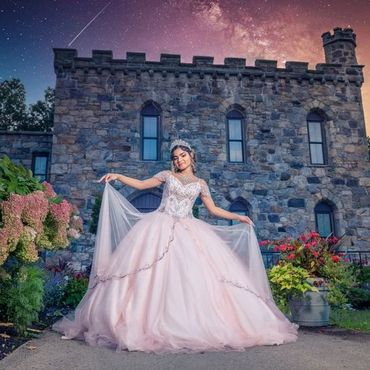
185,149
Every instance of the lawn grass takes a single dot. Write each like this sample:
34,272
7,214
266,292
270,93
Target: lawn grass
348,319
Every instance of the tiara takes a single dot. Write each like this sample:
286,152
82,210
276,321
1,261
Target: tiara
179,142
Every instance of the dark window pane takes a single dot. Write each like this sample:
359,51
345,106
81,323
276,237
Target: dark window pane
150,126
317,154
235,129
315,131
323,224
146,202
150,149
236,152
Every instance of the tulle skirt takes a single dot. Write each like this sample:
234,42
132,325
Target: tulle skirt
174,285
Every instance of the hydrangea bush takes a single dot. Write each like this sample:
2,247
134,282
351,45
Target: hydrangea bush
34,222
32,218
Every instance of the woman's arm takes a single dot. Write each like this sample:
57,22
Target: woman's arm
219,212
130,181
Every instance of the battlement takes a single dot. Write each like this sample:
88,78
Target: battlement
102,61
339,34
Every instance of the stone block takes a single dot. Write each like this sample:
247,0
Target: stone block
170,59
235,62
296,203
202,61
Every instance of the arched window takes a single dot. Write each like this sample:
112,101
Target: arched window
240,206
235,135
324,218
146,202
150,131
316,138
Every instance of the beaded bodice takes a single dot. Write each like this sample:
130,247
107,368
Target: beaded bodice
178,198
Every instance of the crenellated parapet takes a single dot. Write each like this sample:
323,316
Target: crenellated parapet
67,60
339,46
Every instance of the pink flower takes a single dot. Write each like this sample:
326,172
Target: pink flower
262,243
35,210
48,190
61,212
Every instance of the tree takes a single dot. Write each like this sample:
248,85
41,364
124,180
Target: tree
15,116
13,111
41,114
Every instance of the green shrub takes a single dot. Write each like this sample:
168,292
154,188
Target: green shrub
93,225
363,274
74,290
287,281
340,278
16,179
21,296
359,298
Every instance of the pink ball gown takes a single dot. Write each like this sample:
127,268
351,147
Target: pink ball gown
167,282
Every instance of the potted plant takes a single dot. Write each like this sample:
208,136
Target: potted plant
309,277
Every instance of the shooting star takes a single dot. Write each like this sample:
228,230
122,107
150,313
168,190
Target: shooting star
88,24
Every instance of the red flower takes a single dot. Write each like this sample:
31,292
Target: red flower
314,234
291,256
335,258
314,253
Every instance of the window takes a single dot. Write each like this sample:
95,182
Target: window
316,138
40,162
150,118
235,134
146,202
324,219
241,207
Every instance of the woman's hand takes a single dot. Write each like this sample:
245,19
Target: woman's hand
245,219
109,177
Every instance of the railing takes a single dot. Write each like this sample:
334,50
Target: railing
362,258
358,257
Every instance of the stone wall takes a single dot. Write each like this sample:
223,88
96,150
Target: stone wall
19,146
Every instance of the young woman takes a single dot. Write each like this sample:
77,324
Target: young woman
165,281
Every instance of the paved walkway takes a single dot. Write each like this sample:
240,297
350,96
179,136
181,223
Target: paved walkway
313,350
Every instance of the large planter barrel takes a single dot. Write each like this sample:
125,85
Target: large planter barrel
311,309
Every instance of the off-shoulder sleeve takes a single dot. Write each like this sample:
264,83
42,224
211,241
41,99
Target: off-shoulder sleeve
204,189
162,176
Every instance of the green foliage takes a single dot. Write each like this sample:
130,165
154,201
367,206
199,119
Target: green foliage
15,116
287,281
74,290
21,297
41,114
363,275
16,179
93,225
13,112
350,319
196,211
359,298
340,278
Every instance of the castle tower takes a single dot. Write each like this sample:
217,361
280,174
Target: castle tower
340,46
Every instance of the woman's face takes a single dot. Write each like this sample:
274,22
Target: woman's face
181,159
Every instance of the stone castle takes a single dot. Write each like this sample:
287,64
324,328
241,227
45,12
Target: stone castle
287,146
